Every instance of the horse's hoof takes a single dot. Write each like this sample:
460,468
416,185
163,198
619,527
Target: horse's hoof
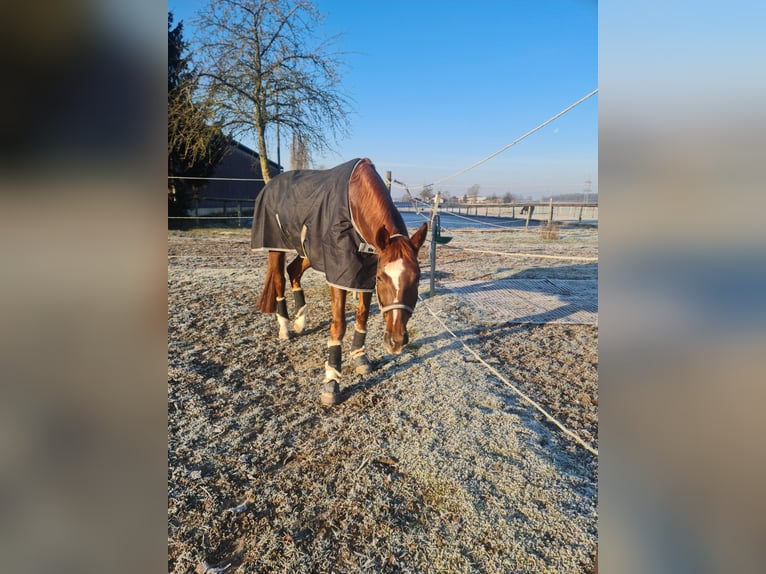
329,399
330,393
284,336
361,366
359,361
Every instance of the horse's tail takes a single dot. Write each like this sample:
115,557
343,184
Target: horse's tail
267,302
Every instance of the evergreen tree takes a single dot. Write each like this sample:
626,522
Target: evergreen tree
195,145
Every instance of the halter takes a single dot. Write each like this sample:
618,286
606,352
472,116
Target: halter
396,305
365,247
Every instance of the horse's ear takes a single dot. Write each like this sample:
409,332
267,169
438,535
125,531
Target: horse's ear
419,237
383,237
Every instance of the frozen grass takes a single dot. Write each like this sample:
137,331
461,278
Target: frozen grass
430,463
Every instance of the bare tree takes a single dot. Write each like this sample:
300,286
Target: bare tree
263,65
473,193
300,157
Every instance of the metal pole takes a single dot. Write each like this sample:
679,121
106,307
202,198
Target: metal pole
434,222
279,159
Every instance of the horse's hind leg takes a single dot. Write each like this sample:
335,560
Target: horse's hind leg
295,271
275,290
359,360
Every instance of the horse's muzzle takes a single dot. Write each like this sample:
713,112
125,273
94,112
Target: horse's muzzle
395,345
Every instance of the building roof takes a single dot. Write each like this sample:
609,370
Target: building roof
237,177
247,150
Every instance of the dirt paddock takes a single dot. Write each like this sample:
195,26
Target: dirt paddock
431,463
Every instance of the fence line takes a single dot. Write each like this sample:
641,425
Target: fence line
215,178
450,207
473,250
211,217
481,222
529,255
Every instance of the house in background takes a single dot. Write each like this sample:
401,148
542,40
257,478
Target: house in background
235,196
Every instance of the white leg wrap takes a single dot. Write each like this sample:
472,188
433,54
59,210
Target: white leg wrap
330,373
300,319
284,323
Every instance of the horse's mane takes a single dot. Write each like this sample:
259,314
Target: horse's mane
370,202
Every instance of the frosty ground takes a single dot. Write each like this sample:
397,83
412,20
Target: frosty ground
431,463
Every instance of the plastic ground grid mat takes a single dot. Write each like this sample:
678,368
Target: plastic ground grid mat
537,301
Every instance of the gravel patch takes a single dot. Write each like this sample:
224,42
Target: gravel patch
431,463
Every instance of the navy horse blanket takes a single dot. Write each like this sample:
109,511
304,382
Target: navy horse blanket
307,211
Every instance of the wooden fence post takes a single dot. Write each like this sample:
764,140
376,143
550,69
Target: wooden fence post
550,210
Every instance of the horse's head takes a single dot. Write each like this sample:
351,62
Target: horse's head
397,283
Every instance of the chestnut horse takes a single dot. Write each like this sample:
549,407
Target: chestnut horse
343,223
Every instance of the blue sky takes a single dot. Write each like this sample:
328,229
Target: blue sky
438,85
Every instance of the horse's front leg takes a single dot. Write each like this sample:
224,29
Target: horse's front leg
330,389
358,357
